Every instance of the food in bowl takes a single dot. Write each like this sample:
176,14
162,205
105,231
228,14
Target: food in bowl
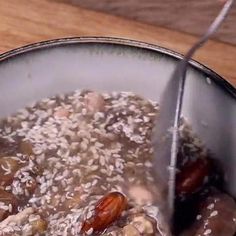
81,164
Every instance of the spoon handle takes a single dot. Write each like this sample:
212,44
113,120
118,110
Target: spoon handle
180,74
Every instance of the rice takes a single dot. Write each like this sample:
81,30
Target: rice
74,152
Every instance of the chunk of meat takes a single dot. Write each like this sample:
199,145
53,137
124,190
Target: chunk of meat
31,185
144,224
17,219
26,148
130,230
94,102
39,226
217,216
140,194
61,113
150,226
7,148
73,201
8,168
24,185
8,204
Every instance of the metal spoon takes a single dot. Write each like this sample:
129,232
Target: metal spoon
165,142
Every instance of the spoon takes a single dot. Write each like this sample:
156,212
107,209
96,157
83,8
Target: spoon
166,143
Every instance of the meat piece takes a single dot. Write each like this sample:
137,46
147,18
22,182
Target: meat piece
217,216
130,230
8,204
140,195
7,148
61,113
94,102
31,185
8,167
73,201
24,184
145,225
17,219
26,148
39,226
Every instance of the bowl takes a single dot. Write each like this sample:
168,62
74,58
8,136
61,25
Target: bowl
44,69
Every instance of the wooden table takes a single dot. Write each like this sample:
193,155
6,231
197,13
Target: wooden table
28,21
196,15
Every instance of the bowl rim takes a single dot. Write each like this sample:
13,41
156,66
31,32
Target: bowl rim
223,83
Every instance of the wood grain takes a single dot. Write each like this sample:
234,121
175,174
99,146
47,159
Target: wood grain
28,21
189,16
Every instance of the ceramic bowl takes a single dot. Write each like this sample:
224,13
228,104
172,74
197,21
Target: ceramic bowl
44,69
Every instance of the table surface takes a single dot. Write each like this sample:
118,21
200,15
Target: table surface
197,14
28,21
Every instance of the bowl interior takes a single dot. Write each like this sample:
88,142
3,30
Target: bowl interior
59,67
